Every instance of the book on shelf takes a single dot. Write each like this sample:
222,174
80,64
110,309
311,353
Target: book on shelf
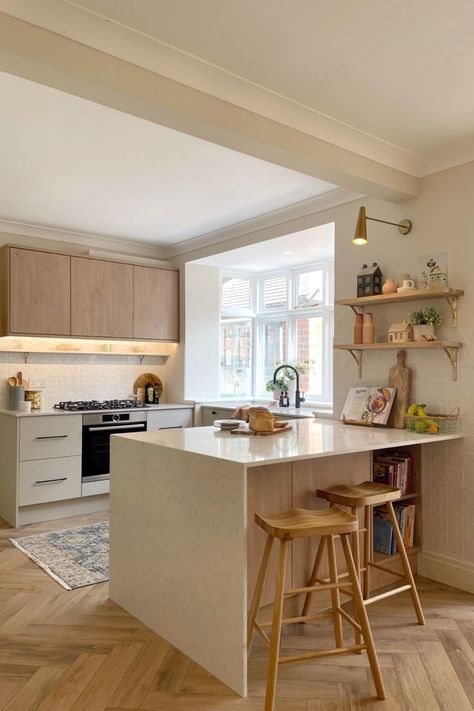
394,470
384,539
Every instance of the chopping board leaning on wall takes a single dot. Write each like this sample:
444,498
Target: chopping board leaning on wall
399,376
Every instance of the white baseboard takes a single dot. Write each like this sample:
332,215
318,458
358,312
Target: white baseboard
61,509
443,569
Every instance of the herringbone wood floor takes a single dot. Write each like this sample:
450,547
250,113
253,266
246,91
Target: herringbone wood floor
78,651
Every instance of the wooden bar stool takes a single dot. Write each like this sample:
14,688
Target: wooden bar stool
299,523
367,495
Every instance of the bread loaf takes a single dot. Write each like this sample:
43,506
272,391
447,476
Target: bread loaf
261,419
241,413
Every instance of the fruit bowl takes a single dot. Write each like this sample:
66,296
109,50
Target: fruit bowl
432,424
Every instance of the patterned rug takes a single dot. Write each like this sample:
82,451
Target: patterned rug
74,557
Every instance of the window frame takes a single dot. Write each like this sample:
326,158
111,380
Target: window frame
291,313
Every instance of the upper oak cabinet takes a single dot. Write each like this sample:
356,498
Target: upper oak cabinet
37,284
156,303
101,298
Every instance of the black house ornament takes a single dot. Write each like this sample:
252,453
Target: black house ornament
369,280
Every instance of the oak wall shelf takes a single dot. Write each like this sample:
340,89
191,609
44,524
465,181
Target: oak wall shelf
450,295
356,350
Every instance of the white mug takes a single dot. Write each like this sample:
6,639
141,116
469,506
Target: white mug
408,284
25,406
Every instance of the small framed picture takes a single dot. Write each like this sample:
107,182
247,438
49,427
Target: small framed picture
433,271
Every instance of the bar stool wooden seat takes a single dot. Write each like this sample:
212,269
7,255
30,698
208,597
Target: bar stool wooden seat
367,495
300,523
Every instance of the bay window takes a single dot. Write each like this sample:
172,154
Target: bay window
273,318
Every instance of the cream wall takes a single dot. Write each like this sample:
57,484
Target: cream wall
442,216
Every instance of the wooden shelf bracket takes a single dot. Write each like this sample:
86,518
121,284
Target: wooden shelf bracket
453,303
357,354
452,354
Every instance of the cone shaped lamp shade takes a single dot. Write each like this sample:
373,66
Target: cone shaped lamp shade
360,235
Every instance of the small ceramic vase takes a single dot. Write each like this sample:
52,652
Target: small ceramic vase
368,329
358,329
390,286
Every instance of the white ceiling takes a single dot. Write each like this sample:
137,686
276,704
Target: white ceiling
75,165
284,252
398,71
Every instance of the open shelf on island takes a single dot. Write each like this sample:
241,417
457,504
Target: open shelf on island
357,350
450,295
386,558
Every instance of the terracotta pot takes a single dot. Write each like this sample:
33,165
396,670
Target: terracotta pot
390,286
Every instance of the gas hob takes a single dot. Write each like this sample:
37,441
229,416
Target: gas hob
85,405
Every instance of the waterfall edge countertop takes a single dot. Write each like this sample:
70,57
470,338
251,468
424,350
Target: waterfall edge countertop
308,439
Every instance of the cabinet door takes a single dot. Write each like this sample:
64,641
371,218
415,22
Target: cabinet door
169,419
101,298
156,304
40,293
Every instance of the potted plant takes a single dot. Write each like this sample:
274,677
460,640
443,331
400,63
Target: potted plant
424,322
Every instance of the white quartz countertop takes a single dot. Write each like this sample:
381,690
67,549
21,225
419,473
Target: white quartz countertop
52,411
308,439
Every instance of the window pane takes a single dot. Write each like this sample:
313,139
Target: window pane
275,292
235,293
236,357
309,347
275,345
309,288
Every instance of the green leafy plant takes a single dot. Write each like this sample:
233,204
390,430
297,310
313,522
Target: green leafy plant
426,316
287,375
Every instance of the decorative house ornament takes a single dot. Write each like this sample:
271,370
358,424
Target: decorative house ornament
369,280
400,332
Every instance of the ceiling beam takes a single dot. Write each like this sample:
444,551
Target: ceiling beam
56,61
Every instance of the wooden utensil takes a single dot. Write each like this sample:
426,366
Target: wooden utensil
19,377
12,382
399,376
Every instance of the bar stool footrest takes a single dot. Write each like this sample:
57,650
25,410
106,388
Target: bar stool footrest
386,570
322,653
389,593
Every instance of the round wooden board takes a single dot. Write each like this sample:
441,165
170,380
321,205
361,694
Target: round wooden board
143,380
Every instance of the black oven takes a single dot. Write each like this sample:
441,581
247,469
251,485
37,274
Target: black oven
96,431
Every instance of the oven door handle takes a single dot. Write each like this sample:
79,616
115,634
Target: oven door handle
116,427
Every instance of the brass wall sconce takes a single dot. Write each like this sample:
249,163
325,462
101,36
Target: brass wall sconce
360,235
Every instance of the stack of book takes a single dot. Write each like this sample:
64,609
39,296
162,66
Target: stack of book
395,470
384,539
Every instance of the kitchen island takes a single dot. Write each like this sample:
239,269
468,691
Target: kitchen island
184,546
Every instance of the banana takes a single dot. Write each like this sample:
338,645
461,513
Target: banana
412,410
420,411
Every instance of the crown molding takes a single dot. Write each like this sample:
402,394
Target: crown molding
298,210
65,18
79,239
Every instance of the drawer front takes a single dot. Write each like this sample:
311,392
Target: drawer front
45,437
209,414
46,480
168,419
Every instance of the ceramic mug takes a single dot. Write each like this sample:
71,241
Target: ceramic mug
408,284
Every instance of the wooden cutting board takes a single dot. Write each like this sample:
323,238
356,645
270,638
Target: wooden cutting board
143,380
251,433
399,376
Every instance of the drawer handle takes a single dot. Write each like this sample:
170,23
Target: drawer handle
53,437
50,481
172,427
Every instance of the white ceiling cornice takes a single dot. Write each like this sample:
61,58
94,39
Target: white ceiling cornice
263,222
10,228
65,18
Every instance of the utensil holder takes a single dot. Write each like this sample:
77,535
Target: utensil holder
16,394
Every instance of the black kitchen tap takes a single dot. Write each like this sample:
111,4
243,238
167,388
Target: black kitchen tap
298,398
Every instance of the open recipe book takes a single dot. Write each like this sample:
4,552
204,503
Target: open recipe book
369,404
